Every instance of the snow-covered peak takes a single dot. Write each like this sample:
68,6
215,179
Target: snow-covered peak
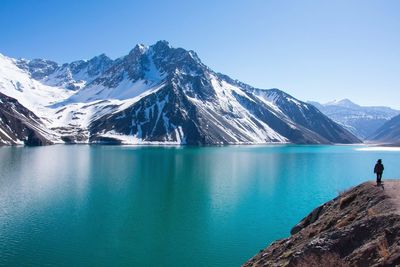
17,83
72,76
88,70
147,63
137,51
169,58
343,103
38,68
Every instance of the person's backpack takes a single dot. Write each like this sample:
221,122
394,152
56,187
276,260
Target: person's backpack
378,168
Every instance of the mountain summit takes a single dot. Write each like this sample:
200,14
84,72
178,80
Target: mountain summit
346,103
159,94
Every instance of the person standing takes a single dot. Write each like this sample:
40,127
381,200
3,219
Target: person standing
379,171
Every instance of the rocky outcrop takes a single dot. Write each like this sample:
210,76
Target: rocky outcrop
360,227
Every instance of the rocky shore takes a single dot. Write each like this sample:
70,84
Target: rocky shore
360,227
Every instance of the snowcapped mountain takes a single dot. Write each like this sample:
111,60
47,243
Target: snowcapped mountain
388,133
344,103
72,76
360,120
18,125
159,95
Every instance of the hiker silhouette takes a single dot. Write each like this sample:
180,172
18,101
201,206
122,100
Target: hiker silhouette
379,171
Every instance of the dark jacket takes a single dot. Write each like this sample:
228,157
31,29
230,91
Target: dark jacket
379,168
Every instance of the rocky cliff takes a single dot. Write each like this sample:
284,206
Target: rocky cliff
360,227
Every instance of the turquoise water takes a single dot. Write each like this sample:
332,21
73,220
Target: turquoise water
165,206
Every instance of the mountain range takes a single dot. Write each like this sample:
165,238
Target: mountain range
362,121
388,133
153,95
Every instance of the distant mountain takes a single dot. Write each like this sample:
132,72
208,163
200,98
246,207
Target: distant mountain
360,120
159,95
71,76
389,133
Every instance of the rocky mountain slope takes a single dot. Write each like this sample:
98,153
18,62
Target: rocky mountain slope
389,133
361,227
18,125
360,120
160,95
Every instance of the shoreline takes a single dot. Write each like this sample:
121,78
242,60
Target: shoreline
366,147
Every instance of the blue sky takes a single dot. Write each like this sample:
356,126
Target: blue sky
314,50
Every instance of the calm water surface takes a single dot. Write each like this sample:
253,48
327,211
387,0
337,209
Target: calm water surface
165,206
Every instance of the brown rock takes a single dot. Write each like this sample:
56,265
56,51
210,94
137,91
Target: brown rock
361,227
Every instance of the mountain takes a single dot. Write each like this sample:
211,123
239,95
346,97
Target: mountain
360,120
71,76
344,103
304,114
18,125
389,133
159,95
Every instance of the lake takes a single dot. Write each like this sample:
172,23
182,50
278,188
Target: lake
81,205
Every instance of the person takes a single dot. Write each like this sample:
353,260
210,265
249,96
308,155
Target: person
379,170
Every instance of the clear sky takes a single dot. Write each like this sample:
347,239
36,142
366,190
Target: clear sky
315,50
